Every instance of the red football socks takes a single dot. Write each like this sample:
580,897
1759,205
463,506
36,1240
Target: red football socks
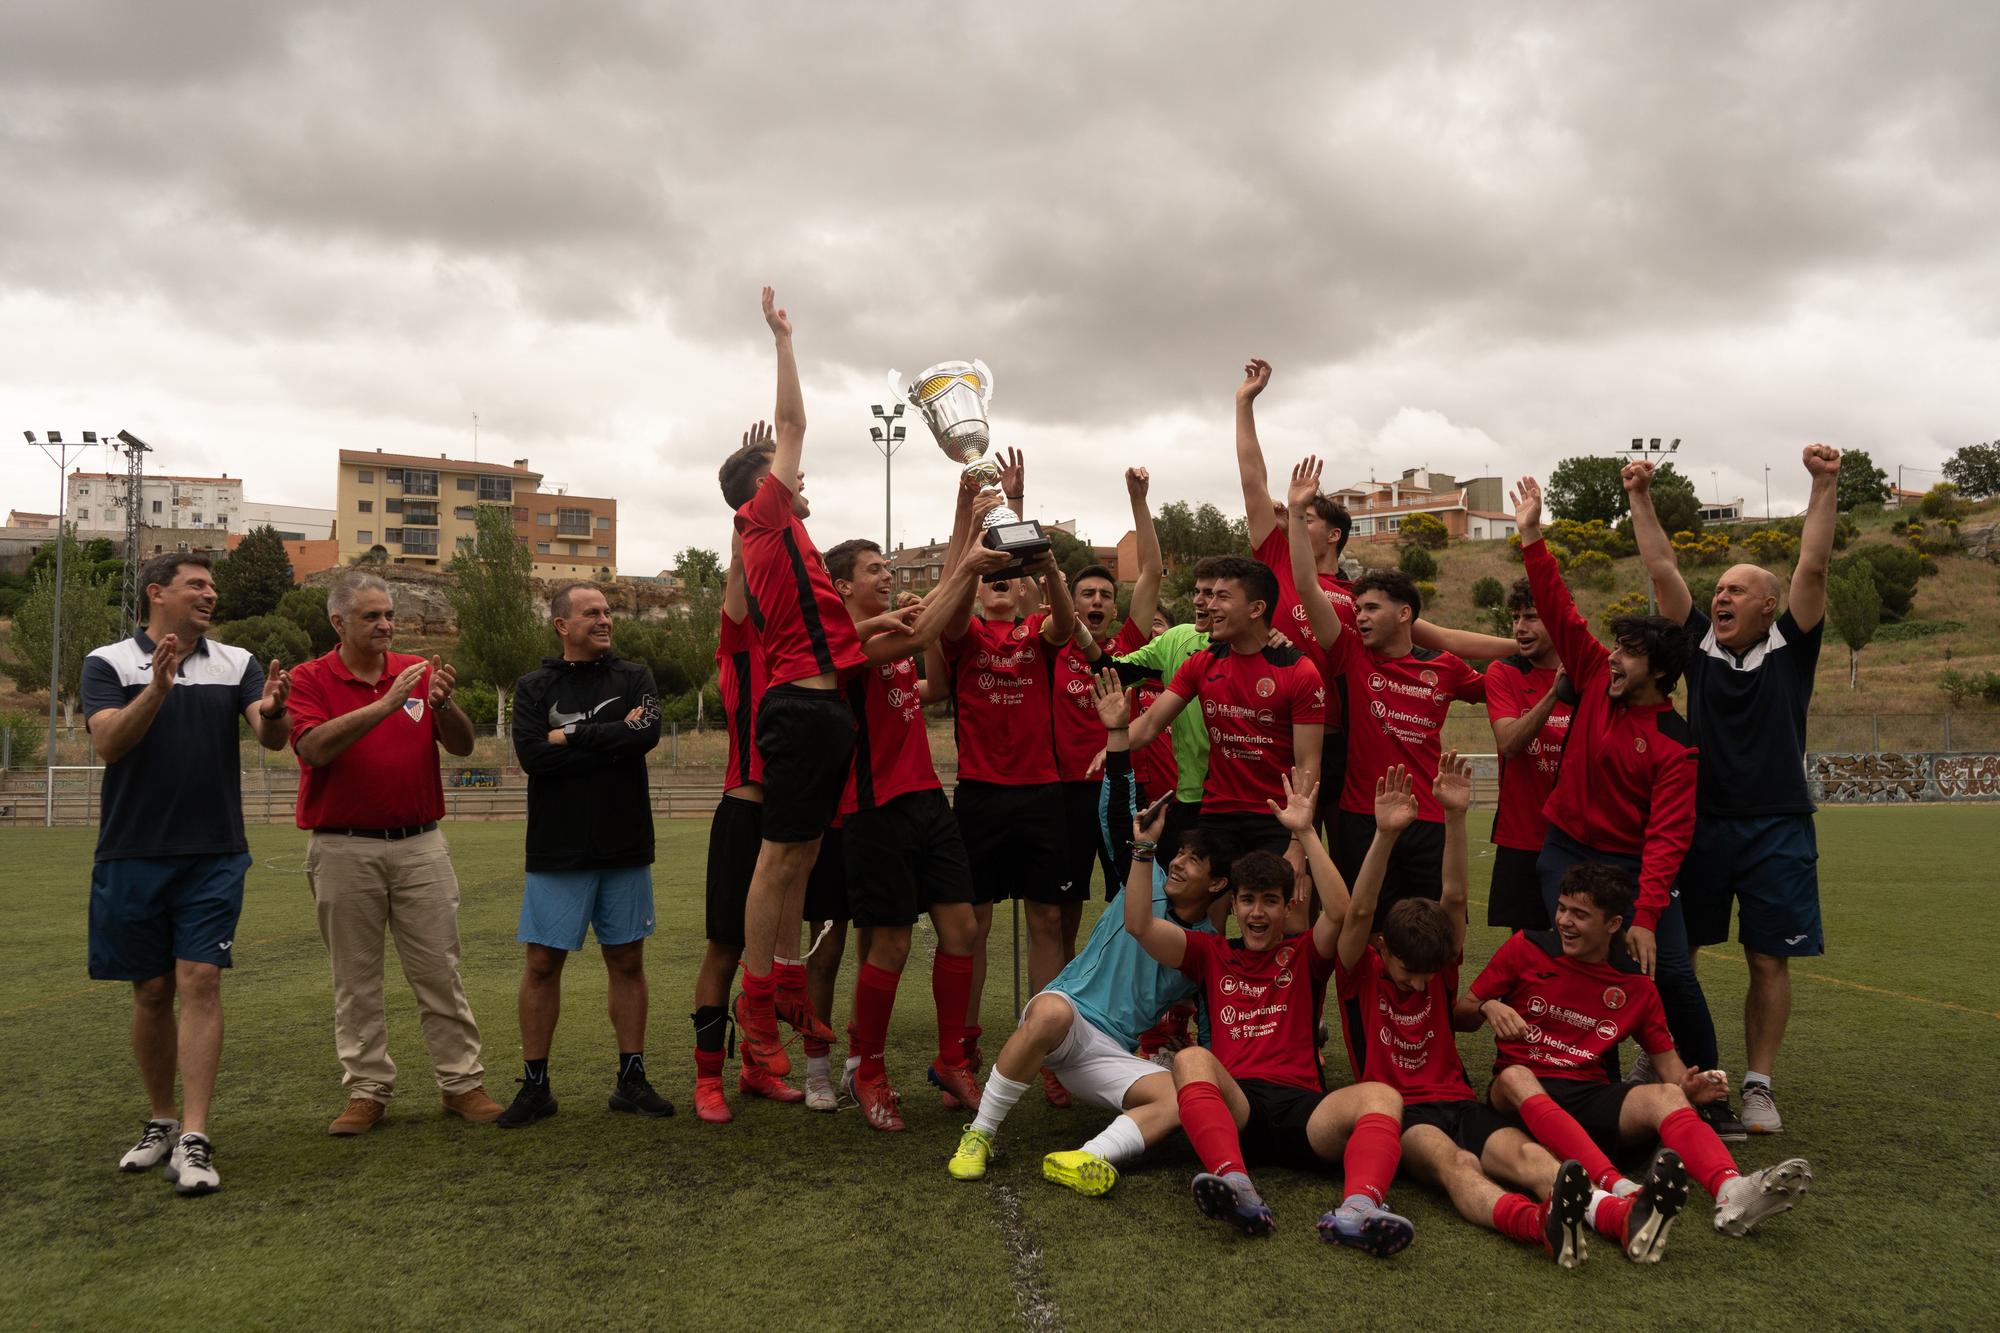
1518,1217
1556,1130
1707,1160
759,990
1373,1149
973,1032
1609,1215
1210,1128
951,991
789,976
874,1000
707,1064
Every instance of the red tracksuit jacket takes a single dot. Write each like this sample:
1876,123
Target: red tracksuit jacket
1626,784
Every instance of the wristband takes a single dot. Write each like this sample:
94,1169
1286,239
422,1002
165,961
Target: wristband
1118,728
1143,858
1146,845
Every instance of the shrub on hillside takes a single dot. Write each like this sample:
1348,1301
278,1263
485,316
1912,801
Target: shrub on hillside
1428,591
1425,530
1938,536
1593,569
1918,629
1942,501
266,637
1488,592
1691,548
1896,571
1418,563
1768,546
480,701
1631,604
1701,591
29,731
1595,535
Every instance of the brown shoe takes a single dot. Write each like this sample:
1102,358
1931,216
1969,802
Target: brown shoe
362,1114
474,1105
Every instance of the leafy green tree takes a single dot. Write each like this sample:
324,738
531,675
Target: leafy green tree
1861,482
1588,487
1487,593
1425,530
306,608
1071,554
1941,501
266,637
1855,608
1674,500
1975,470
1417,562
501,636
1189,533
699,566
89,620
1894,570
252,579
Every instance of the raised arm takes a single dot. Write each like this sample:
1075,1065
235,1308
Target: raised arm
1582,655
1146,588
736,592
1513,735
949,603
1395,810
1061,623
1469,644
1250,454
1321,618
790,412
1808,601
1655,550
1453,790
1163,940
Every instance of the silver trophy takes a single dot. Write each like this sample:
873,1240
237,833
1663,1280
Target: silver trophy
952,397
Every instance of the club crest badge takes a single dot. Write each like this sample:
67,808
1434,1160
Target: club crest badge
1614,997
1266,687
414,706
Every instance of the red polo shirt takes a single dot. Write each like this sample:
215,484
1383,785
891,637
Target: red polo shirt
389,777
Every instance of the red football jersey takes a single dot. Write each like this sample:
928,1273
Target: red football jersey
1079,731
1288,617
1001,702
1154,764
1250,702
807,631
1514,685
1261,1025
388,778
892,749
1406,1035
1396,707
1575,1012
739,676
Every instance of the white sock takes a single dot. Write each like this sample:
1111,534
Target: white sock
1118,1142
817,1066
1590,1214
853,1063
1752,1076
997,1100
1624,1188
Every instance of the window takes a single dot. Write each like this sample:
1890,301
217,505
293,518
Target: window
420,541
366,536
368,506
197,518
392,534
602,523
467,484
83,516
603,551
83,488
463,512
394,474
156,509
520,516
496,488
393,506
541,548
541,520
366,476
420,514
465,543
419,483
572,521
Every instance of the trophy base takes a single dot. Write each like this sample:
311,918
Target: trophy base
1023,539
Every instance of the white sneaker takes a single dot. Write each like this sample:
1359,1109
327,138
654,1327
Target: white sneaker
820,1095
1747,1200
192,1168
1642,1070
1760,1110
153,1146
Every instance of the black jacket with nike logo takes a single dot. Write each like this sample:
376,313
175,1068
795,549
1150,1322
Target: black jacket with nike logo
588,803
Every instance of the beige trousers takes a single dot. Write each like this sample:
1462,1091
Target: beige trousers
365,888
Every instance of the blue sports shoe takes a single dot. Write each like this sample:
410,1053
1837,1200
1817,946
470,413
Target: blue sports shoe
1232,1199
1375,1230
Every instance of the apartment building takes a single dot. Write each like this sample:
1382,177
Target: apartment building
193,504
1475,507
408,510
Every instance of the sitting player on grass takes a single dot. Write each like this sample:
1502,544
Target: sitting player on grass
1400,987
1558,1001
1257,1095
1084,1025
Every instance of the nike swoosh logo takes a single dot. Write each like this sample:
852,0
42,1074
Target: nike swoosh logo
562,719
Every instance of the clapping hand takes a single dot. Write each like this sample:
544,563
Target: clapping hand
277,689
444,681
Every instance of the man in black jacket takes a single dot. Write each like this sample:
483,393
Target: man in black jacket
583,723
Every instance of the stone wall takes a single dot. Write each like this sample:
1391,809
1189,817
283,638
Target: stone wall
422,606
1892,776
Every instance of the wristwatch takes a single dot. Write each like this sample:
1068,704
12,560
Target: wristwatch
569,728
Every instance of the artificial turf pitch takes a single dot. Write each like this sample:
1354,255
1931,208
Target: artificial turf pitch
790,1219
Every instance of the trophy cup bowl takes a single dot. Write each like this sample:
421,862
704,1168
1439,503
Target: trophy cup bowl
952,397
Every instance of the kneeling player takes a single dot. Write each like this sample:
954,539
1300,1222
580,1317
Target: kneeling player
1558,1001
1257,1094
1398,989
1084,1025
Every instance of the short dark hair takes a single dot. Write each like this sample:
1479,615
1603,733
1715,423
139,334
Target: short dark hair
160,569
1166,613
1213,846
1335,516
559,604
1259,583
1393,584
1418,932
742,470
840,560
1521,597
1610,887
1665,644
1204,568
1256,872
1093,572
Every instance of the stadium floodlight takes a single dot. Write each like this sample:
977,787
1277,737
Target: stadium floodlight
55,437
90,437
888,437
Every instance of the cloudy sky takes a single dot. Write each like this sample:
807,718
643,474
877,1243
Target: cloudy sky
1482,237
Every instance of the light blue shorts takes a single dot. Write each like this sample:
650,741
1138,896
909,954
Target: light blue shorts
557,906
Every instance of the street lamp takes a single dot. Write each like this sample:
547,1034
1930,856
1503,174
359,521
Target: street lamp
887,433
58,453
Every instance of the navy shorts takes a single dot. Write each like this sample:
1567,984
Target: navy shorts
1468,1124
1015,839
735,836
146,912
826,886
806,738
558,905
1769,863
1514,899
1275,1134
902,858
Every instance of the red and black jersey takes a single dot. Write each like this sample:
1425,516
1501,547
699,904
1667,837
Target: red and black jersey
1406,1035
1396,708
1250,702
892,748
807,631
1263,1008
1514,685
740,677
1079,731
1575,1012
1154,763
1001,703
1288,617
1627,780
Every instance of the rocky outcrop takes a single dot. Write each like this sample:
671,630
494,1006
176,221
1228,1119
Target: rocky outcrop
423,606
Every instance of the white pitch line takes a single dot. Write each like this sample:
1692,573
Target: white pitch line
1032,1301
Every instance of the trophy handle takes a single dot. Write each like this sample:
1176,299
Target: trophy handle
895,384
986,375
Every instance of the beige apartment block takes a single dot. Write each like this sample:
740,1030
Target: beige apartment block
404,509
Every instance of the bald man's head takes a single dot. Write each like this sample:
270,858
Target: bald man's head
1745,606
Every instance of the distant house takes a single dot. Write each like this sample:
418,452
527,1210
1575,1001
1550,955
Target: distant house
1475,508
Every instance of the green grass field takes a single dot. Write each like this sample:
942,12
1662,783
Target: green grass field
787,1219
